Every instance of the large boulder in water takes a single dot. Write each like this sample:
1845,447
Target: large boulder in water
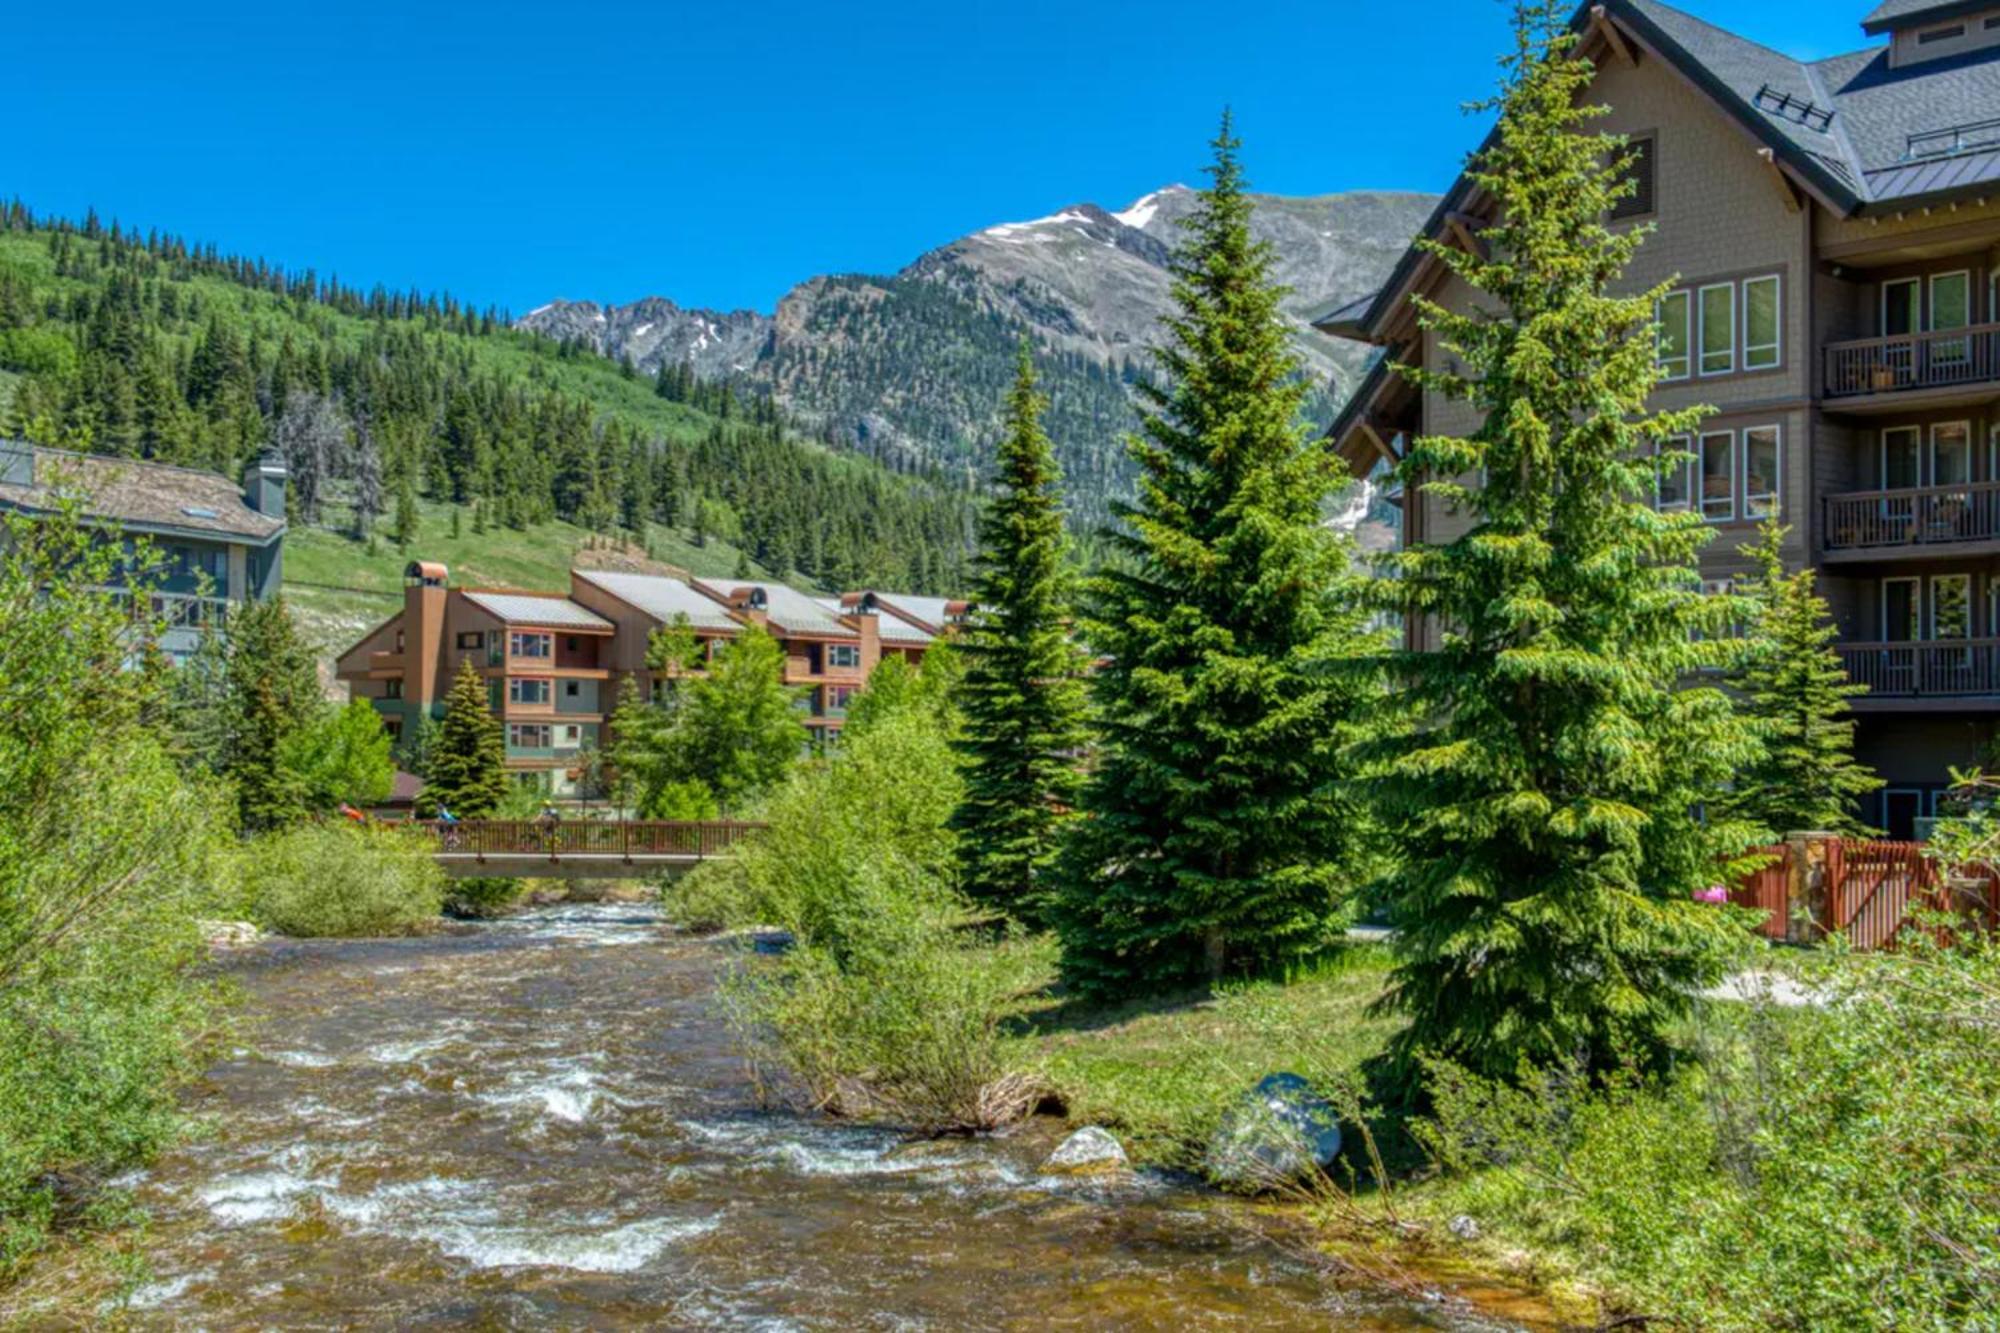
1279,1131
1087,1151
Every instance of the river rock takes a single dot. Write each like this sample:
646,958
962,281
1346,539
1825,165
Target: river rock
1280,1131
229,934
1088,1150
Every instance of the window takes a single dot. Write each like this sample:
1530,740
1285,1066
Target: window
1676,308
1762,314
392,688
1899,308
1899,609
569,735
1716,467
1674,475
1902,459
1951,308
1951,606
1951,453
471,639
524,643
843,655
1761,465
527,690
1945,34
569,643
1718,329
838,697
1718,588
571,689
1639,203
528,735
392,727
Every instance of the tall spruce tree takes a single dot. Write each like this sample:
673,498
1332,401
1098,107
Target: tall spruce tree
468,759
1544,809
1219,833
1793,688
1022,693
273,692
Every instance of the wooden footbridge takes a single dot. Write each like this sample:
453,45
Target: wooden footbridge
580,848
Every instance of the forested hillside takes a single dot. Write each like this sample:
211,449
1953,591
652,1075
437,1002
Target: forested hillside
149,346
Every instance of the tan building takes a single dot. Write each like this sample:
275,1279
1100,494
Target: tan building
555,664
1832,232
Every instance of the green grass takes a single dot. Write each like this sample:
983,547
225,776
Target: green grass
1162,1073
340,588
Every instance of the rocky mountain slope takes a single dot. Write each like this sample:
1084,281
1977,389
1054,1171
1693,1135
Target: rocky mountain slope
912,368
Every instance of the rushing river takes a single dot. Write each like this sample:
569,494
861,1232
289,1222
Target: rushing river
540,1124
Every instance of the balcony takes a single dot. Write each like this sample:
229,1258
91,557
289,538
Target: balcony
1917,520
1944,366
1938,673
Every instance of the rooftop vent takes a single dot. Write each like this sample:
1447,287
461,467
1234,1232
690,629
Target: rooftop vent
1798,111
1952,140
199,511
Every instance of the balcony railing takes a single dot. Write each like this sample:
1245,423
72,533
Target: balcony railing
1934,669
1936,360
1912,516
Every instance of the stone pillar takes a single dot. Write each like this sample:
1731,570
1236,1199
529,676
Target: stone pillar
1809,858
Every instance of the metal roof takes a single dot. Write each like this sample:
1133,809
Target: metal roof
787,608
664,599
522,608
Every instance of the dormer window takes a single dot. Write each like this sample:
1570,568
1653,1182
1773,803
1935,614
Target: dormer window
1944,34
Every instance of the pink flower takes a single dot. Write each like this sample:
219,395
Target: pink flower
1714,893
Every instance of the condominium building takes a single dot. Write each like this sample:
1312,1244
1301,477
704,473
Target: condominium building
1830,229
555,665
220,543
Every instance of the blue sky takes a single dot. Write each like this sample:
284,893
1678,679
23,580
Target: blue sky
719,153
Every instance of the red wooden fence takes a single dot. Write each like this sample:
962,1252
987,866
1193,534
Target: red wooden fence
1870,892
1767,890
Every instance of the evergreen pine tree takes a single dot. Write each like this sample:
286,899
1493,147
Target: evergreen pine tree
1022,692
1793,688
1218,830
467,771
273,692
1544,812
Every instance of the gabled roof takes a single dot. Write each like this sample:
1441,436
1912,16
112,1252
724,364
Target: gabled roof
1861,137
538,609
664,599
152,497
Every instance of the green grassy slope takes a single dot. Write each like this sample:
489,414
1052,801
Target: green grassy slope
341,587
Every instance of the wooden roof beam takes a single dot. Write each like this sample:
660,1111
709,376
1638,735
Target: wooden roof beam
1604,29
1793,203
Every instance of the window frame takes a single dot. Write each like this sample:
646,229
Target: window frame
1916,286
1773,498
1777,344
1701,473
843,656
1930,446
517,637
1644,201
1701,351
1916,585
1687,357
515,691
1916,434
1931,610
471,640
543,729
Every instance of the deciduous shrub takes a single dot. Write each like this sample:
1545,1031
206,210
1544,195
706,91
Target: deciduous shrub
891,1003
1836,1166
336,879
